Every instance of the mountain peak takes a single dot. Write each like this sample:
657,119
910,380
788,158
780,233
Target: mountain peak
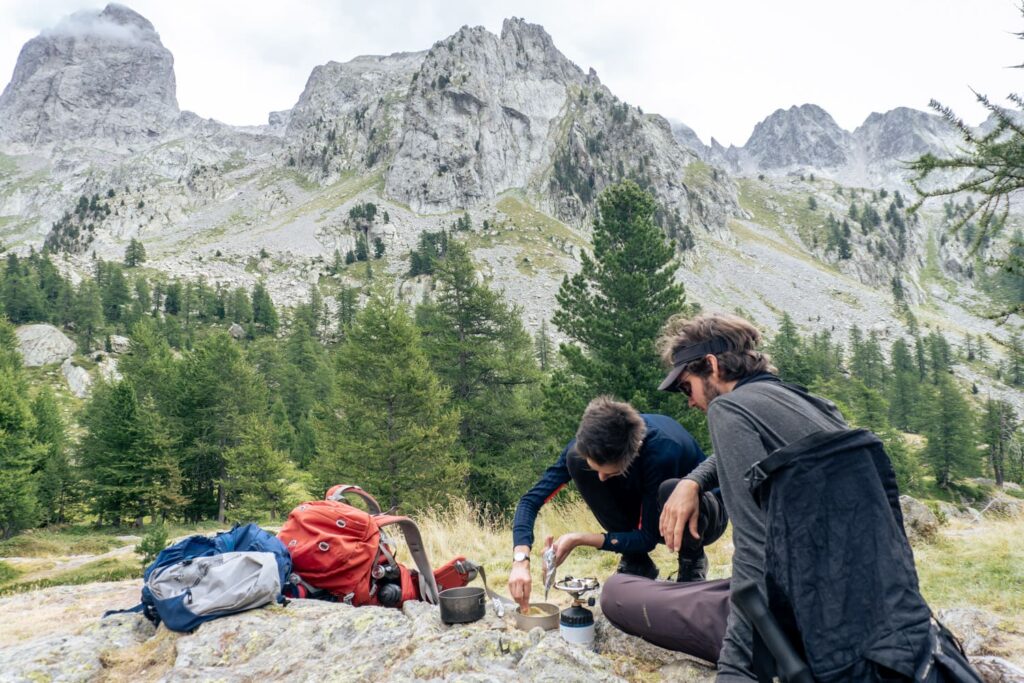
803,135
94,75
115,23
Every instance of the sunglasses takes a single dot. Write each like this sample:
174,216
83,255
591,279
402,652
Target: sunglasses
684,387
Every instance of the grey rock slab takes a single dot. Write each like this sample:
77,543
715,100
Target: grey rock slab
305,641
998,670
72,658
78,378
976,629
43,344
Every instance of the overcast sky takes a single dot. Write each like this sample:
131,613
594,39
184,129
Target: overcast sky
720,67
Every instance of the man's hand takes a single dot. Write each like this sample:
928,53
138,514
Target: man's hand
682,509
520,583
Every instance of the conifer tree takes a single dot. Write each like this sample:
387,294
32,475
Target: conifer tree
940,355
134,254
263,312
88,312
396,432
612,311
307,381
787,353
127,456
951,451
478,347
19,451
905,394
216,389
866,360
1015,359
55,474
239,307
284,431
257,476
543,348
347,298
999,423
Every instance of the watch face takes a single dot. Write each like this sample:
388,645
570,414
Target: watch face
519,557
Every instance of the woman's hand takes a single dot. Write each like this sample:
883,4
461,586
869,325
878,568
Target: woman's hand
520,583
565,545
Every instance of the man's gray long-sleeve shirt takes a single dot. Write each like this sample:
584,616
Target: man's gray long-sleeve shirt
746,425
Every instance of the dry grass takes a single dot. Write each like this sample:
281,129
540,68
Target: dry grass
979,565
147,661
458,531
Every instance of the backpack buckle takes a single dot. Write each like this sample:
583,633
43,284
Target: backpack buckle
755,475
348,599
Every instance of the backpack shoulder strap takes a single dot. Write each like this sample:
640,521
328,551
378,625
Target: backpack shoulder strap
414,540
339,491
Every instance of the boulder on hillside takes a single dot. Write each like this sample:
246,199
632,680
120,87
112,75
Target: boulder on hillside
119,344
236,331
78,379
919,521
107,369
43,345
1005,506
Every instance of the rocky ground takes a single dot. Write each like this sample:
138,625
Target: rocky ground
58,635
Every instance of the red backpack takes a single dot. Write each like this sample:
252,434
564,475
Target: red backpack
340,549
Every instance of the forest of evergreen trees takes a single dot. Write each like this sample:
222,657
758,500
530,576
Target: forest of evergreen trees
450,397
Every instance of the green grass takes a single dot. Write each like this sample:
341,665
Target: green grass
39,543
698,174
541,239
107,569
7,573
758,201
984,569
780,210
330,198
957,491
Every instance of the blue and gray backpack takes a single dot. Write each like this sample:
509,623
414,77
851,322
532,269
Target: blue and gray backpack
202,578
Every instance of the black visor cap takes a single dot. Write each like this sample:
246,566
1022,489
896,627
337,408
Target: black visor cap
687,354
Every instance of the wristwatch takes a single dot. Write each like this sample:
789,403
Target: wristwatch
520,556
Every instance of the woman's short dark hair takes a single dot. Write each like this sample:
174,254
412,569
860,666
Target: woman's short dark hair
741,359
610,433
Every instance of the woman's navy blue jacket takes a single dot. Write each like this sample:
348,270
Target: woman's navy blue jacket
668,452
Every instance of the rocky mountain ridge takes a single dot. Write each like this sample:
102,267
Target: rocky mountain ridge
806,139
503,128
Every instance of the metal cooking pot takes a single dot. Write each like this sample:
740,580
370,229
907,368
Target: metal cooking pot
462,605
547,621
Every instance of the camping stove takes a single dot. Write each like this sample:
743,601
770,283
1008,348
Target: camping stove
576,623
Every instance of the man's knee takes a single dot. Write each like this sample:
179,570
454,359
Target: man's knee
665,490
615,596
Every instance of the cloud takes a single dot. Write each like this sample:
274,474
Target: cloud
101,25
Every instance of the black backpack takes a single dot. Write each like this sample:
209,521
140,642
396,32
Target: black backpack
840,579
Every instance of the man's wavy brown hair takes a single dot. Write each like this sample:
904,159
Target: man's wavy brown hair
742,359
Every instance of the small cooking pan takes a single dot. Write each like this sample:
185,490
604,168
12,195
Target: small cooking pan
547,619
462,605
